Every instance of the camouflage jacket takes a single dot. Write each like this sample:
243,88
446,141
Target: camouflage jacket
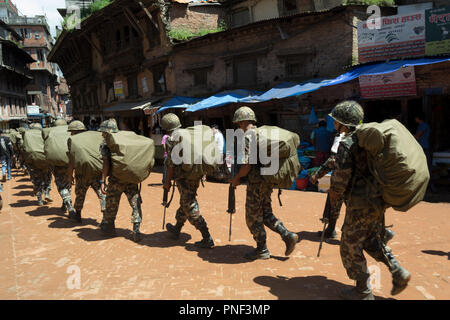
106,154
351,178
326,167
254,176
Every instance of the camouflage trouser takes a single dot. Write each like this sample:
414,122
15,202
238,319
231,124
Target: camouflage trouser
82,186
189,209
362,230
41,180
114,192
258,211
62,183
332,209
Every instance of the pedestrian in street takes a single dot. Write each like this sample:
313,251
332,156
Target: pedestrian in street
82,183
321,139
6,155
115,188
363,228
423,137
187,185
258,208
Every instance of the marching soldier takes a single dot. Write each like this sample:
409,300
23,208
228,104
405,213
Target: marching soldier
115,188
81,183
189,209
363,227
258,208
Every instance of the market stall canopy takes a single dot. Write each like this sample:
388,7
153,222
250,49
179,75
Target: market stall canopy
223,98
178,102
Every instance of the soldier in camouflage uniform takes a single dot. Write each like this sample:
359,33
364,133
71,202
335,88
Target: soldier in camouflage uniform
189,209
61,181
115,188
363,227
40,178
258,208
81,183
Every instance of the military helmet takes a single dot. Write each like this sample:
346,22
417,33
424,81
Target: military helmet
170,122
349,113
76,126
109,125
21,129
36,125
60,122
244,114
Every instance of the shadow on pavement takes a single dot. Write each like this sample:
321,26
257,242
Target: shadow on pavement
228,254
23,193
23,186
24,180
95,234
155,184
45,211
24,203
304,288
437,253
162,239
314,237
66,223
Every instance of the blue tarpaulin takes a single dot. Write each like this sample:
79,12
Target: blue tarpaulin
289,89
178,102
223,98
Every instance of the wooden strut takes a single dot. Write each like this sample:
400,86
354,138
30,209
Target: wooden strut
132,19
92,44
148,14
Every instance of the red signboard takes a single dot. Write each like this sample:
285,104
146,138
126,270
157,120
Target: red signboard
395,84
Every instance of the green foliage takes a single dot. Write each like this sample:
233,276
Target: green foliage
93,7
183,34
370,2
98,5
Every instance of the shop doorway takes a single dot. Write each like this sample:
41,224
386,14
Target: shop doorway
380,110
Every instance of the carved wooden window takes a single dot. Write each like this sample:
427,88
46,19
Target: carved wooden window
200,77
118,40
240,17
244,71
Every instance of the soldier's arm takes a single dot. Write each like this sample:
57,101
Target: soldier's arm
326,167
342,173
169,163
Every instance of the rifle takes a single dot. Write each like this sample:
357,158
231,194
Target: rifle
231,190
325,222
167,204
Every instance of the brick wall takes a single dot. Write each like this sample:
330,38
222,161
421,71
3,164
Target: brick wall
195,18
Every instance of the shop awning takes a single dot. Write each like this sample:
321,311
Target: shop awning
129,106
178,102
222,98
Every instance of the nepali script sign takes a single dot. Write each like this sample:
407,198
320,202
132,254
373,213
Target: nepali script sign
395,84
437,31
397,36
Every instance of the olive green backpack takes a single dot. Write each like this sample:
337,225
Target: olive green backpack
84,153
33,146
197,150
284,143
55,146
132,156
397,161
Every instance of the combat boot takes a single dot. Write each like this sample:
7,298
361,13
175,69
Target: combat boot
261,252
330,232
174,230
108,228
47,197
207,242
388,235
362,290
75,215
289,238
40,202
137,235
400,279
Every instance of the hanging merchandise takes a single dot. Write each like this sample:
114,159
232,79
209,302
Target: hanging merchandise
312,117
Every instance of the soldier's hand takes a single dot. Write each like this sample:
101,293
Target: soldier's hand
235,181
313,179
103,189
167,185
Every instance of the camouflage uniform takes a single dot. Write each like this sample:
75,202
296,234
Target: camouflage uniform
363,227
41,180
189,209
114,192
81,187
62,183
258,205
